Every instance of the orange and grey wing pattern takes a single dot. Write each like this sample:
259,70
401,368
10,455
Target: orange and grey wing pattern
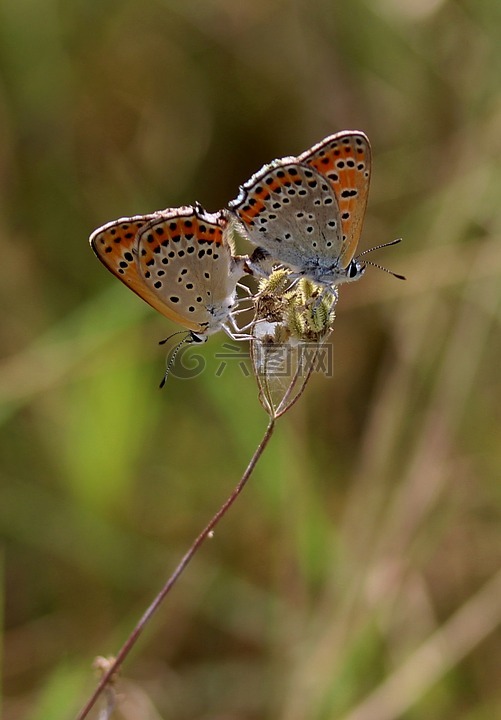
114,245
345,160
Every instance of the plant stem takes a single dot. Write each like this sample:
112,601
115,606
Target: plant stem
136,632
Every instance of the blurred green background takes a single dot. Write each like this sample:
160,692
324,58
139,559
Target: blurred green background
358,576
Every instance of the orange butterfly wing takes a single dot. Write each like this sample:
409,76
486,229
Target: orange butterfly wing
114,245
344,159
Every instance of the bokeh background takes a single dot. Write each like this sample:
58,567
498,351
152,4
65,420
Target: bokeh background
358,576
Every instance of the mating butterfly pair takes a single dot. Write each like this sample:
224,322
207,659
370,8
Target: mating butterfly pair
305,212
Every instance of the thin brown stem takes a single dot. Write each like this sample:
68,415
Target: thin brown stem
133,637
282,408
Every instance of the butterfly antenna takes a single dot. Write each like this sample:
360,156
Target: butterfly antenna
187,339
378,247
390,272
179,332
380,267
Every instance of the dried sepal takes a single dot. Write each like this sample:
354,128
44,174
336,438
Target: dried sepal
292,320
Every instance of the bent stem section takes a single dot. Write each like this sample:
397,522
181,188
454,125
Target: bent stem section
133,637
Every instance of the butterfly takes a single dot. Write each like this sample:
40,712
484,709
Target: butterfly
307,211
181,261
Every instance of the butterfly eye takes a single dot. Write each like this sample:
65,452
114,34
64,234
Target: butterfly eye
354,270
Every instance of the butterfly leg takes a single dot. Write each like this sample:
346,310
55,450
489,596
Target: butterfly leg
238,335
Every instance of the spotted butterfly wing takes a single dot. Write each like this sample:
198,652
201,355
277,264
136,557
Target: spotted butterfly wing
344,159
307,212
290,210
114,245
185,258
